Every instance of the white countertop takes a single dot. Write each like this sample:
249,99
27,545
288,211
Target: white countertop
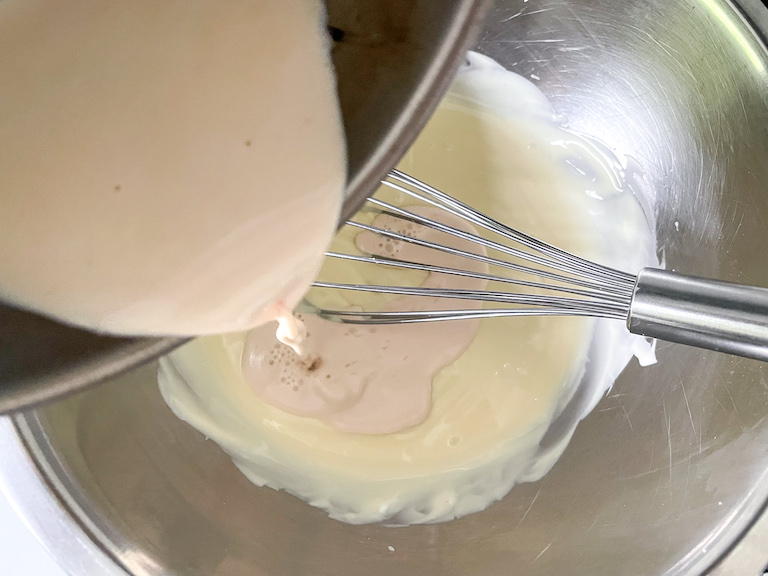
20,552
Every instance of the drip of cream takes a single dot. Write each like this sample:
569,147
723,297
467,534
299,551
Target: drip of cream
148,154
292,332
504,410
370,379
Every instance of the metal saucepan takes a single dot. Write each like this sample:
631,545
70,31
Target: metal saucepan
394,59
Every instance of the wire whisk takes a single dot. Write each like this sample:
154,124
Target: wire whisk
655,303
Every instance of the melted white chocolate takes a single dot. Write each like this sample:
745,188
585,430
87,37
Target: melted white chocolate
504,410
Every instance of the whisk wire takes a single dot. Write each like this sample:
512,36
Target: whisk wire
389,209
620,290
352,317
384,261
435,197
481,295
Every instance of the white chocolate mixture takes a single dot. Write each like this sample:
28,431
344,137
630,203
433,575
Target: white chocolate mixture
148,160
502,406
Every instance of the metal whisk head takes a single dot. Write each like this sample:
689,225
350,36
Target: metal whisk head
563,283
547,281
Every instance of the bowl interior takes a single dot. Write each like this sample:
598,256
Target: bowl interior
661,478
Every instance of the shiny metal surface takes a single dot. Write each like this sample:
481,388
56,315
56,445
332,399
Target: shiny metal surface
393,60
709,314
663,478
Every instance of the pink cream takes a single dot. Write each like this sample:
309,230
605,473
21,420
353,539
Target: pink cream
368,379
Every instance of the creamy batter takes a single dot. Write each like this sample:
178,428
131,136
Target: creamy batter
369,379
148,160
502,407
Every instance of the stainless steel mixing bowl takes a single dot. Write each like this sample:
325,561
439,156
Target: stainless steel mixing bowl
663,478
393,60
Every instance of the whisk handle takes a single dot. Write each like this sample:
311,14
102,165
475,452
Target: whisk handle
698,312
